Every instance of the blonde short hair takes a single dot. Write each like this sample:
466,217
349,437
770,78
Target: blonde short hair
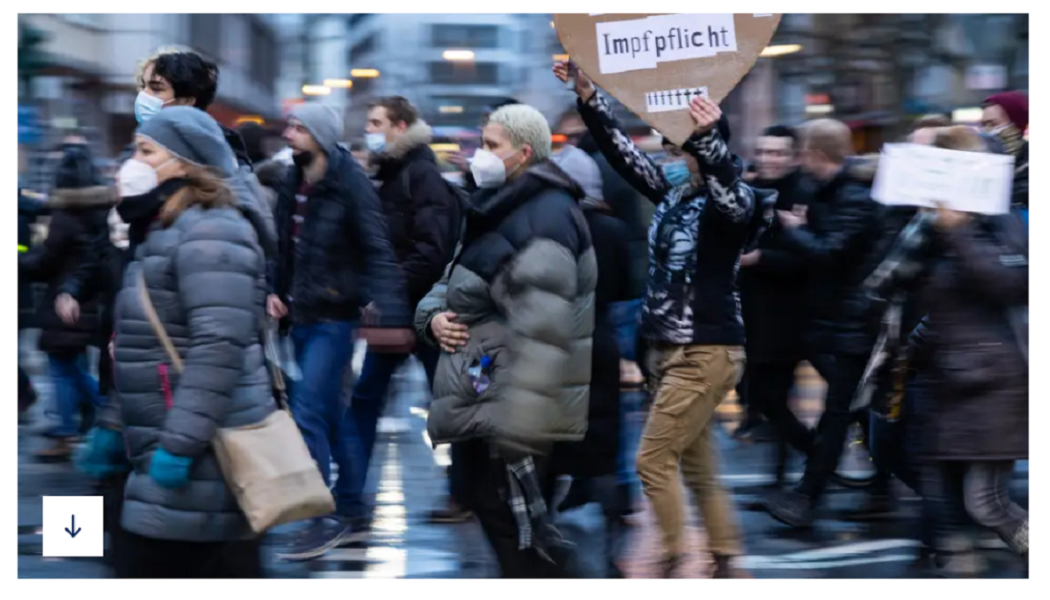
525,125
829,136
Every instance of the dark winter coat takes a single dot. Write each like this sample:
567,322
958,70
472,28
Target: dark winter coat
68,255
206,279
29,210
773,290
523,282
422,213
344,258
839,244
979,373
599,451
629,206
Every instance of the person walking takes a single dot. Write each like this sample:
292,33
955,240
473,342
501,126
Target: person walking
691,316
334,258
594,462
202,271
514,315
79,207
423,217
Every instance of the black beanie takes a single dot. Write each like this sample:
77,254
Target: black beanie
75,170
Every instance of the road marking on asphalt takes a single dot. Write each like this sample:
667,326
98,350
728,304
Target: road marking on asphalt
847,555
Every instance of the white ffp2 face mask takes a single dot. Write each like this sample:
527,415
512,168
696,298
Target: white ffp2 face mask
136,178
488,169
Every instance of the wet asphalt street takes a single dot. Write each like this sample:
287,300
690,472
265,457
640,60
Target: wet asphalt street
407,479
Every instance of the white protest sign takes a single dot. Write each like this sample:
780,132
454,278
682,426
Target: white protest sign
642,43
915,175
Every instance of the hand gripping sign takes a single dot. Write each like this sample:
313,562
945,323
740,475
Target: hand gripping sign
654,64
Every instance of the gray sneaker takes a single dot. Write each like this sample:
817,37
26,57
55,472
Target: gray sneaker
321,536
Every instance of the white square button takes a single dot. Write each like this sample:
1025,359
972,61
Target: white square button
73,526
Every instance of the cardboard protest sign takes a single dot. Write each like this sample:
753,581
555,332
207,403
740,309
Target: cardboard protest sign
655,64
914,175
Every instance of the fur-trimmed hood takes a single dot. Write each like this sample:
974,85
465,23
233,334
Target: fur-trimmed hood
418,134
89,197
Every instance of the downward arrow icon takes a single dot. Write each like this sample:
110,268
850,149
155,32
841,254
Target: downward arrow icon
72,530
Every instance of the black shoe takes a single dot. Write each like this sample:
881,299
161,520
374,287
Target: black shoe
722,569
669,566
579,495
625,499
876,507
321,536
453,514
747,428
791,508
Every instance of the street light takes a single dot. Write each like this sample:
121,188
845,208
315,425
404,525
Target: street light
450,110
780,50
316,90
458,55
364,73
338,83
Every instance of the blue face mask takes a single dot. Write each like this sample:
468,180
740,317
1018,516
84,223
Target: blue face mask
376,142
677,173
146,106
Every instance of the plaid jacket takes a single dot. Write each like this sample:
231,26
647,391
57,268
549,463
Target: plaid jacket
889,284
526,502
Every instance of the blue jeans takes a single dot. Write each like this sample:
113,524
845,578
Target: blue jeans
323,351
632,419
625,317
366,407
74,386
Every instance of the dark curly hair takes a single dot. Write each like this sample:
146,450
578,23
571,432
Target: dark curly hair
190,75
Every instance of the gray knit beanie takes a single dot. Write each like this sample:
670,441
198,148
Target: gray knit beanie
582,169
192,135
322,121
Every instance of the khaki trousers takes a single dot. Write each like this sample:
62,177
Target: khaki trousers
688,383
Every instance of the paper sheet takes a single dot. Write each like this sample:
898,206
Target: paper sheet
672,100
643,43
914,175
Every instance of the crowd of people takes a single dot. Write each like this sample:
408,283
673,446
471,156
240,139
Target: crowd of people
532,295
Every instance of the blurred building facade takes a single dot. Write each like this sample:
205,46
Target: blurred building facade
89,85
879,72
498,57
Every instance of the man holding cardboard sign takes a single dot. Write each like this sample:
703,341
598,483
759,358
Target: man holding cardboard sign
691,313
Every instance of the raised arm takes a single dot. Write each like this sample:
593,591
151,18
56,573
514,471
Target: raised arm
629,161
731,198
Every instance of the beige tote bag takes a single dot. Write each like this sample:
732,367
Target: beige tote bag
267,465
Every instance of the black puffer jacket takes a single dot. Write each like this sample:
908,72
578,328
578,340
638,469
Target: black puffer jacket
597,454
344,258
421,211
979,373
839,245
523,283
773,290
78,226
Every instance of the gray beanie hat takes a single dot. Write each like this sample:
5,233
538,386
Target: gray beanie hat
582,169
192,135
322,121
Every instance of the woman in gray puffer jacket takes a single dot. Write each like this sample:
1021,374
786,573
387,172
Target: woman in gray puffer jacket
204,269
